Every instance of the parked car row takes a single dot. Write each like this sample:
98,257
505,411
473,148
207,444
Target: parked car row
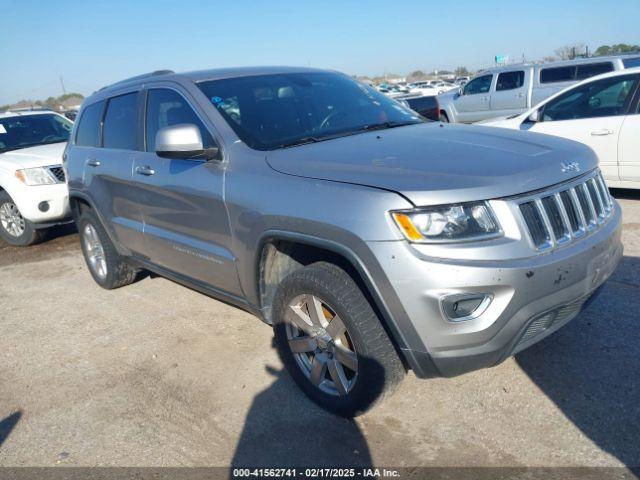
513,89
373,240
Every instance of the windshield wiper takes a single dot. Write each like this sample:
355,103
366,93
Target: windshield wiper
300,141
385,125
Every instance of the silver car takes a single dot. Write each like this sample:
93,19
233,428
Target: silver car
372,240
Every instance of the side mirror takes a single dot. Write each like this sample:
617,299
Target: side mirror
184,142
534,117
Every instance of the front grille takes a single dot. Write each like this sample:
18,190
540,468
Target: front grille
547,320
58,172
557,217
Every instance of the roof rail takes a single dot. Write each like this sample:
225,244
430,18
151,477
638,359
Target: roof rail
138,77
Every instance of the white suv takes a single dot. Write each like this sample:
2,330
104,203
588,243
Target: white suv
33,189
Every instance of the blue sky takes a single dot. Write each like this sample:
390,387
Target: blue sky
93,43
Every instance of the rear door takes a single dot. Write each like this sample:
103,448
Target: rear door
474,102
182,201
511,92
629,144
106,140
591,114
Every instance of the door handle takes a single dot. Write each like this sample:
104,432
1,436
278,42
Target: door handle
145,170
601,133
520,95
93,162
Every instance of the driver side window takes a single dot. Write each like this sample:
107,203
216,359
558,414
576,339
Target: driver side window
478,85
605,98
167,107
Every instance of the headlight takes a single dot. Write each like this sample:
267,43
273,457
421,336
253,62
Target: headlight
448,223
35,176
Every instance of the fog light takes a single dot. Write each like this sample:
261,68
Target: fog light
465,306
43,206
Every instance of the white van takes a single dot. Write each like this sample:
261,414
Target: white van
513,89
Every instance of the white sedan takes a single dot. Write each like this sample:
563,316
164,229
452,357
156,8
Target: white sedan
33,189
602,112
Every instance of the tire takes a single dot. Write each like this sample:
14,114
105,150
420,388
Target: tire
330,353
109,269
14,229
443,117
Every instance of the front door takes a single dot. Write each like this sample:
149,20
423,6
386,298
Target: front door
474,102
186,227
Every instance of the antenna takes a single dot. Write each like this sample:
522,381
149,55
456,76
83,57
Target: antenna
62,85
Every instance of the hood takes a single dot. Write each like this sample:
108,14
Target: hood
39,156
437,163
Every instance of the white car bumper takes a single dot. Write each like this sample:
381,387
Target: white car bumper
41,203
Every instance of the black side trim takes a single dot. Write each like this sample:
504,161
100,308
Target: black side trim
196,285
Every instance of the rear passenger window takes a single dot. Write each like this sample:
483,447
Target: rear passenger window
88,134
557,74
167,107
592,69
510,80
121,122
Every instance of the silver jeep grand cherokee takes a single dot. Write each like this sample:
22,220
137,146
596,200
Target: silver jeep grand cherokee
372,240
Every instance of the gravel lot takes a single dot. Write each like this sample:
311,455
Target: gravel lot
155,374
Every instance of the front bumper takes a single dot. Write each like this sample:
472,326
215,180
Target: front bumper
28,199
549,289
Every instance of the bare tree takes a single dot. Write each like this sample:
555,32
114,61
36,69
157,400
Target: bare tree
569,52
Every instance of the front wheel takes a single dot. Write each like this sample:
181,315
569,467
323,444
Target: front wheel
444,118
14,228
332,342
106,266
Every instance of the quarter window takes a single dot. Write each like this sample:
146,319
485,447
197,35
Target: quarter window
593,69
631,62
574,72
478,85
557,74
88,134
510,80
167,107
120,123
604,98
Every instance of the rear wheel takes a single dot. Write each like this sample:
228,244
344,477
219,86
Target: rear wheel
444,118
332,342
14,228
107,267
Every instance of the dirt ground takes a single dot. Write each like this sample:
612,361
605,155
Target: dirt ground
155,374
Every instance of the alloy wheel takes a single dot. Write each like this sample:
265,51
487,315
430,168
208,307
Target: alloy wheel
321,345
95,251
11,219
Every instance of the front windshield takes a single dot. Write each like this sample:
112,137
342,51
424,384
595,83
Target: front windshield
24,131
278,111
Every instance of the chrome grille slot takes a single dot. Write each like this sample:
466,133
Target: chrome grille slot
585,206
595,198
562,214
572,212
537,229
556,219
604,193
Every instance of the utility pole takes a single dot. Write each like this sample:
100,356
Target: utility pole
62,85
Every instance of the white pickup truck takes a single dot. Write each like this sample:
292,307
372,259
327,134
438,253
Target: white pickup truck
513,89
